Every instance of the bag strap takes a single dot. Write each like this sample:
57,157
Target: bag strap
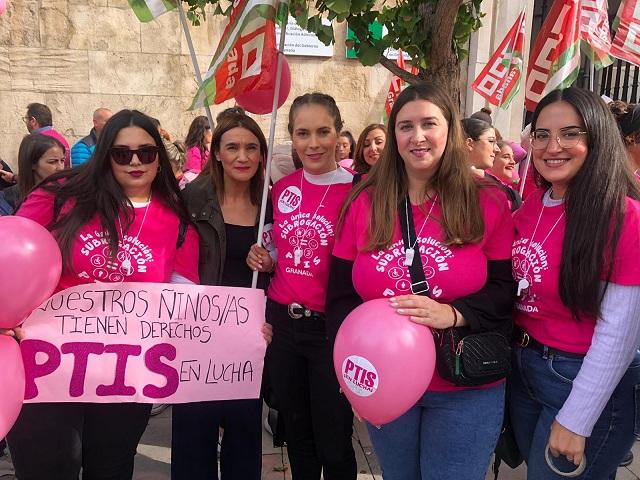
419,284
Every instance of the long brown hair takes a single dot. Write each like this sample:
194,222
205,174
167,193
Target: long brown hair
360,165
32,148
228,122
387,184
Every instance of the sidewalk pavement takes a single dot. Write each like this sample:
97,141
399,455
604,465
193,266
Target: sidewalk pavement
154,457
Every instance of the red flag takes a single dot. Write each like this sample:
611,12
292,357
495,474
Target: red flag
555,58
626,43
594,31
499,80
395,86
245,54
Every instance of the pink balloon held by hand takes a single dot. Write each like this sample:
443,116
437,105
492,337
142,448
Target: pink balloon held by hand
12,381
31,270
384,362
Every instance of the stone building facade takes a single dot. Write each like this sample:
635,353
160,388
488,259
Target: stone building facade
78,55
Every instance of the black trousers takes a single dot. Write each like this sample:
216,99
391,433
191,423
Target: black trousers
194,440
317,417
54,441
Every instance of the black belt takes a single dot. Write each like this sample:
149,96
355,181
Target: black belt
524,340
298,311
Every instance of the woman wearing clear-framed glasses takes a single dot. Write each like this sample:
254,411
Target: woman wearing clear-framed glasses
126,197
573,391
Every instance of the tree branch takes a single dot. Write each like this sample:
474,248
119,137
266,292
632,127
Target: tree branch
446,12
397,71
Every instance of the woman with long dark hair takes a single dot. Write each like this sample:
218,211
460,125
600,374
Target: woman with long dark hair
198,144
126,199
463,235
39,156
575,258
225,203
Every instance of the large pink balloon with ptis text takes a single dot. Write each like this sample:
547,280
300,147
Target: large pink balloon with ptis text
384,361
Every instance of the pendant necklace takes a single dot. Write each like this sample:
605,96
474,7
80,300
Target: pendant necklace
297,252
523,283
126,263
410,252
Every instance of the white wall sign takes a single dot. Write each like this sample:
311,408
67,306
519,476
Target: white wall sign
300,42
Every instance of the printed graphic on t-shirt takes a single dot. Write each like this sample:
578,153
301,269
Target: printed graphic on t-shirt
290,199
530,261
304,235
132,257
435,258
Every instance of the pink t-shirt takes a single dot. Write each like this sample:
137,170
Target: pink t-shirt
196,160
152,256
304,234
539,309
451,271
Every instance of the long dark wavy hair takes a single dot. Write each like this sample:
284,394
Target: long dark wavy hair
594,203
32,148
227,122
195,135
93,190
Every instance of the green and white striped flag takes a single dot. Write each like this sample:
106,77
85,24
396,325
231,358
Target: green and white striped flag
147,10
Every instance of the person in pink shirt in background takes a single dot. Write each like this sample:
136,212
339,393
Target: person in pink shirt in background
346,149
628,117
198,144
116,218
504,164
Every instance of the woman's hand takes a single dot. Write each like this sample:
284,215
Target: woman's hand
267,332
563,441
259,259
425,311
7,176
16,332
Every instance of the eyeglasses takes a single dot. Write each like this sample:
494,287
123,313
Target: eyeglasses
568,138
26,119
123,155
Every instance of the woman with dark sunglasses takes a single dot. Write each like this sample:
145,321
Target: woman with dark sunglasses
127,200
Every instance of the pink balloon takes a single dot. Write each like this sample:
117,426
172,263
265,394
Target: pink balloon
12,381
31,267
3,7
384,362
261,101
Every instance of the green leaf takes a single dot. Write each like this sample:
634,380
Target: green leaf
368,55
325,34
338,6
302,17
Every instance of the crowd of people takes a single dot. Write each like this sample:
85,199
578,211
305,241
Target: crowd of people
423,211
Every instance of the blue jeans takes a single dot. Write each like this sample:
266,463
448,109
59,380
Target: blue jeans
539,386
445,435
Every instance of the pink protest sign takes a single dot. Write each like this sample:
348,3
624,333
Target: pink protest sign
145,342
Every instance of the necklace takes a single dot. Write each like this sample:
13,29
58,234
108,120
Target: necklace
410,252
305,238
126,263
523,283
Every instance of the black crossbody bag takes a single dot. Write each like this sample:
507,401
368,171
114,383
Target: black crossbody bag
462,357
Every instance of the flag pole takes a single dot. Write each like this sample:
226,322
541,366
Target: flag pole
512,46
527,164
194,60
272,134
592,75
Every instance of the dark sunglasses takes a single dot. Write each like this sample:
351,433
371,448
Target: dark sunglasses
123,155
